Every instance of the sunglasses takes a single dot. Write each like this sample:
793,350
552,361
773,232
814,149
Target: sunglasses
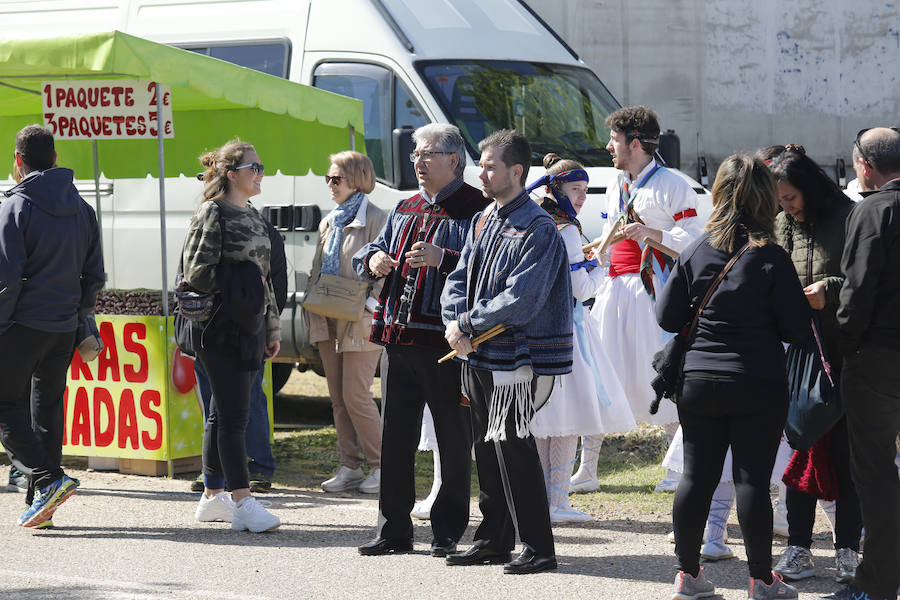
859,148
335,179
257,168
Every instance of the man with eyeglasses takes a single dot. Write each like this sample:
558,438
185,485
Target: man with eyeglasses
418,247
869,320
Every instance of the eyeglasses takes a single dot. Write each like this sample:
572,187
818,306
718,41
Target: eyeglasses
257,168
335,179
859,147
425,156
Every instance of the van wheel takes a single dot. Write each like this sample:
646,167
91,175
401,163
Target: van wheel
281,372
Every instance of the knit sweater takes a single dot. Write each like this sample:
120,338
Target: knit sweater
514,273
448,221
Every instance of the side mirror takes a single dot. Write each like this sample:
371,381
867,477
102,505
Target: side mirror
307,217
402,146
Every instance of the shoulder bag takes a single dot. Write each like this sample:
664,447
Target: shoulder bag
337,297
669,362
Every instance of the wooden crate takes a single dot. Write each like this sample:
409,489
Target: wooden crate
157,468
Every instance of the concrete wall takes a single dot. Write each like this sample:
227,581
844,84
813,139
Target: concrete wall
733,75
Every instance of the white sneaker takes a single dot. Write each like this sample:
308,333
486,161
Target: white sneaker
218,508
372,483
250,514
583,482
779,518
568,514
345,479
716,551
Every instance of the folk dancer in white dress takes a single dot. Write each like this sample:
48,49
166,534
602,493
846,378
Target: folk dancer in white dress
648,201
589,400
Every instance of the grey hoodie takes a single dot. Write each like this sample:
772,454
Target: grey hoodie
51,266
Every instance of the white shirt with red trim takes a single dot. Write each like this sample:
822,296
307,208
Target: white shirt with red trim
665,202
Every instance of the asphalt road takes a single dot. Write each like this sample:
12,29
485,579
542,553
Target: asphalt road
131,537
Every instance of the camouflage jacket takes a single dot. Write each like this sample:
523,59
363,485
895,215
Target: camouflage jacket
246,239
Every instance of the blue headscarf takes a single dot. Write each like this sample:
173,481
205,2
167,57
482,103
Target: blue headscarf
341,216
554,182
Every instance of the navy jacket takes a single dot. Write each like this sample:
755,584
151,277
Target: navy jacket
51,265
759,304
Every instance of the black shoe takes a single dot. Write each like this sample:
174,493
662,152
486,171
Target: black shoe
260,484
442,547
381,546
478,555
529,562
197,484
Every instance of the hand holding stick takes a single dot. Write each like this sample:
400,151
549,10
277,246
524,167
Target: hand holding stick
493,331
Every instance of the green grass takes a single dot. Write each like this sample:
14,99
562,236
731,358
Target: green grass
628,469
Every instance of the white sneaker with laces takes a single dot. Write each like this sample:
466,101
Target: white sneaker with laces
250,514
218,508
372,483
777,589
345,479
690,588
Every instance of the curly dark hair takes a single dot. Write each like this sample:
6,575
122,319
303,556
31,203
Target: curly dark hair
636,122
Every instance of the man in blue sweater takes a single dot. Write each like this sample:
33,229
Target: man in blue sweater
514,272
51,269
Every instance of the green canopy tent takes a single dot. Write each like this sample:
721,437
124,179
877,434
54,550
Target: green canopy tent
294,127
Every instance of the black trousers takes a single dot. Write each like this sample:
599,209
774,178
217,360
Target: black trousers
753,438
413,378
31,424
224,438
523,467
870,388
801,507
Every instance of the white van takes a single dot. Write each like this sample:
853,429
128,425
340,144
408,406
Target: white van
479,64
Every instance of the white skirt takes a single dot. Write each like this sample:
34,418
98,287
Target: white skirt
428,438
674,459
590,399
626,318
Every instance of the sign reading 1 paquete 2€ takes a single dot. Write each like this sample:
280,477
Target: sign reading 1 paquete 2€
106,109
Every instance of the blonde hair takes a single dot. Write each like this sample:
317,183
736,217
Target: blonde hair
357,169
217,164
744,200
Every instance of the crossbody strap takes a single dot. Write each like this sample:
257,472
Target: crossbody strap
713,287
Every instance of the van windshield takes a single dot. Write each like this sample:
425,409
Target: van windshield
559,108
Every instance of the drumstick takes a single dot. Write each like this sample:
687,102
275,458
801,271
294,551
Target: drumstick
493,331
661,247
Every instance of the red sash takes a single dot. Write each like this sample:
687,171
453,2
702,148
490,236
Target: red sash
624,257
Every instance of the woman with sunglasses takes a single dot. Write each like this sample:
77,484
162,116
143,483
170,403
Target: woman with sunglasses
811,228
227,253
349,358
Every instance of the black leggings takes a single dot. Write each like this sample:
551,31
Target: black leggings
754,439
801,507
224,445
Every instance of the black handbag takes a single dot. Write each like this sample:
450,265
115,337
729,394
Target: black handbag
815,398
669,362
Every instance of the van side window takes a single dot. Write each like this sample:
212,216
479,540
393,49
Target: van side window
269,57
387,104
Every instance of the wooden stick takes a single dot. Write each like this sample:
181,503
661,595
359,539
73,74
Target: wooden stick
493,331
661,247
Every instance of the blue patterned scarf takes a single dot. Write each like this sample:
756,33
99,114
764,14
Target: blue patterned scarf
341,216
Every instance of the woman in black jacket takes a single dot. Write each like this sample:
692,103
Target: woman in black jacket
735,387
811,227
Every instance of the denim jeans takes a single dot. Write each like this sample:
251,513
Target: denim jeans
259,449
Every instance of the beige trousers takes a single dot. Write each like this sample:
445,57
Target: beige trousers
356,418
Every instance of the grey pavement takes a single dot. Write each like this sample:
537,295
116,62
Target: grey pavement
131,537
